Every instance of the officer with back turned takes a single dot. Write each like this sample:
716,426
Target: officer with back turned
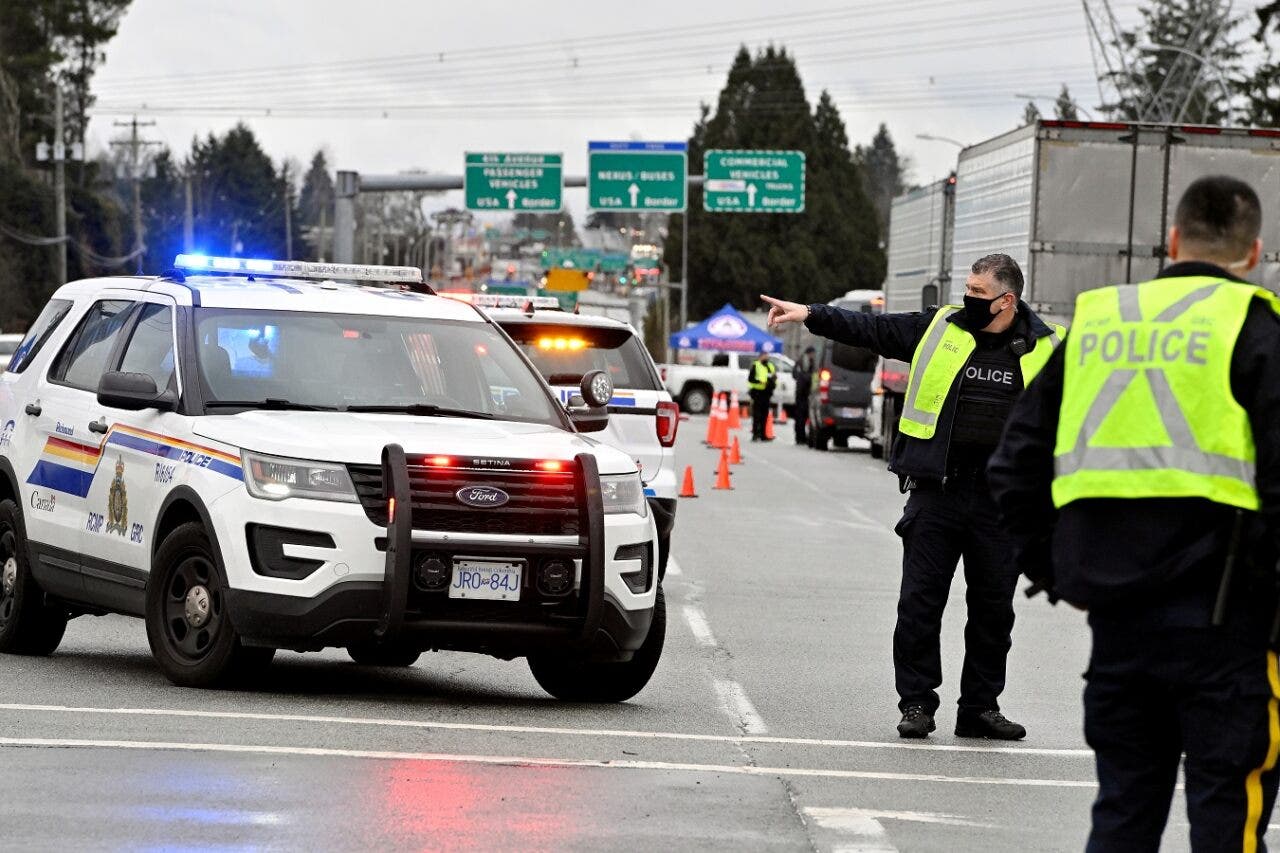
1140,479
968,364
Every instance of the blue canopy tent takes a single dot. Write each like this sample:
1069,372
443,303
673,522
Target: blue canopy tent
726,331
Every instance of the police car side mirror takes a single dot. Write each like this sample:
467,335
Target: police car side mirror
588,410
133,391
597,388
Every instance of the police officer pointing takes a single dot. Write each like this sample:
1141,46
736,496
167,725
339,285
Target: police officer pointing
968,364
1153,438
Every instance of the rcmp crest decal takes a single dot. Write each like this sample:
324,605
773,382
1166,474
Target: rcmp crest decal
118,502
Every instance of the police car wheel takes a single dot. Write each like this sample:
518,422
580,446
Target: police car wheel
28,625
374,653
589,681
188,627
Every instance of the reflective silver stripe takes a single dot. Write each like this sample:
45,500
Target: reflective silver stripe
1184,304
920,362
1130,309
1184,455
1054,340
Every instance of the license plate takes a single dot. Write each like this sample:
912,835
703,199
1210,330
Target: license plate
852,412
489,580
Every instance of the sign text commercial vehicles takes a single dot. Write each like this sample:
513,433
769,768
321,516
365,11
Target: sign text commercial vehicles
250,458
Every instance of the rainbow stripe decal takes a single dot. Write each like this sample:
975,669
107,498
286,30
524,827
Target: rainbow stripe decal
69,466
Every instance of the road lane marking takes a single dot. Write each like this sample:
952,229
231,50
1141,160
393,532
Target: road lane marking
384,722
866,832
734,702
528,761
862,520
697,621
673,568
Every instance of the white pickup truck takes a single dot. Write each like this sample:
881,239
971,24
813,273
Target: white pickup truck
694,386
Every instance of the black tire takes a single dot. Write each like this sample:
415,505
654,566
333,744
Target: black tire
588,681
821,440
375,653
664,553
29,625
842,441
696,400
200,650
877,450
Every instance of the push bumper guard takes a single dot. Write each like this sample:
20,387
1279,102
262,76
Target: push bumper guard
580,630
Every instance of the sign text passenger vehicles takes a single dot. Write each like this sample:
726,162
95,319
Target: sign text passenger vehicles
251,456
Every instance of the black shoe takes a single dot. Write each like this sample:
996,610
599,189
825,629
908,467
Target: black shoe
916,722
988,724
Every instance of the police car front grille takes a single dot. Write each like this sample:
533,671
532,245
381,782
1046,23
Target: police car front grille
541,503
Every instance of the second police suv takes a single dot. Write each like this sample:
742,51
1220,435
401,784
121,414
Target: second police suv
253,455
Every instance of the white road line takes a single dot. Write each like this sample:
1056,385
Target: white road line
673,568
866,832
862,520
698,625
524,761
734,702
629,734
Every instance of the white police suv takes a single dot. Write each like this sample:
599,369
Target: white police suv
250,455
642,417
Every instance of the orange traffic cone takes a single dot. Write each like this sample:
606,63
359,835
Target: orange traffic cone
711,424
686,490
768,427
735,415
735,452
782,414
722,473
720,436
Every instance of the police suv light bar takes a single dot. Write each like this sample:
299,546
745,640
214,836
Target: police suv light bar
298,269
500,300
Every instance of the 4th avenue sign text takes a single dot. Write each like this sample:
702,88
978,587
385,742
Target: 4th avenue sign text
528,182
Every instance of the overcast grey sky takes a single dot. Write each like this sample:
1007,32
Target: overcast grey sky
388,85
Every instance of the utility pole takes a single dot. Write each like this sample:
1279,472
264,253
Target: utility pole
288,225
60,184
135,175
188,215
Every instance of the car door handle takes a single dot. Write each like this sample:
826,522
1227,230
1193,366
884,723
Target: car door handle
33,409
100,425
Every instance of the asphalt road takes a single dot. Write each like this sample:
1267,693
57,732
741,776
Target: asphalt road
768,726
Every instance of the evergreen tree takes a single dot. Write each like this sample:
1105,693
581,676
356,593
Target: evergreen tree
1262,88
829,248
164,212
315,208
1065,109
883,173
1172,85
239,205
1030,113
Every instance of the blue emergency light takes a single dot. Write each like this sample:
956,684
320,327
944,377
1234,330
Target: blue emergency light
298,269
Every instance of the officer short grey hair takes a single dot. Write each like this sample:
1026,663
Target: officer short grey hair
1003,269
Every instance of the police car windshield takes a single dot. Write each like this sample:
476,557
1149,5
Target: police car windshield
566,353
259,359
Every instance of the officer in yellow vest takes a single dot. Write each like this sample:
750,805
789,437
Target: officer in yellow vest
762,376
1140,479
968,364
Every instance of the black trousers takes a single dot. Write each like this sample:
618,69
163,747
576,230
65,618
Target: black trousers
760,404
939,526
1153,696
802,417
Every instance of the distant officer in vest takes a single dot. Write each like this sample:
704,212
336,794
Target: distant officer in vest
762,376
968,364
1140,479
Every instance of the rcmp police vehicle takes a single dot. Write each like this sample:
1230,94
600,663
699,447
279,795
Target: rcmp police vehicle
250,455
642,417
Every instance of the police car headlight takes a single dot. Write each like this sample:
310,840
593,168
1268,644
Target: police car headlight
623,494
274,479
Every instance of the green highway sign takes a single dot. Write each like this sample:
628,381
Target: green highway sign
519,182
753,181
637,176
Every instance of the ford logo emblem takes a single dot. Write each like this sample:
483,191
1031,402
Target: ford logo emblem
482,496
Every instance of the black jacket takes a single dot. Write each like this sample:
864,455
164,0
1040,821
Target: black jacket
897,336
1156,561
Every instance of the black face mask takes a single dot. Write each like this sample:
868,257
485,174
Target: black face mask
977,313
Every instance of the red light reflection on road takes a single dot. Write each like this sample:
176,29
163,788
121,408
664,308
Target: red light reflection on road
443,806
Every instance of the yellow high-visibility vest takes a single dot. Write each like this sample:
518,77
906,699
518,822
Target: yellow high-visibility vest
1147,407
940,356
759,380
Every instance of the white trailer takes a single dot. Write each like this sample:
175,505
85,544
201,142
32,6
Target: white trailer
1085,204
920,246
